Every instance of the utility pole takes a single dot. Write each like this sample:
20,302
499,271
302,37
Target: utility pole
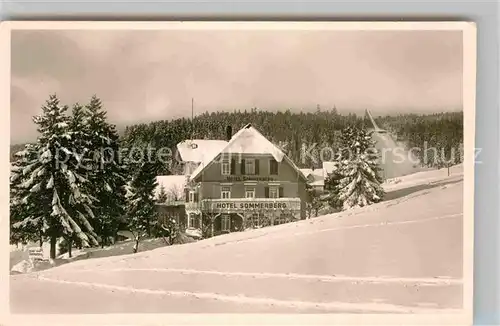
192,119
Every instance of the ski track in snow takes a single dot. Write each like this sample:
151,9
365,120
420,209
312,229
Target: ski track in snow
241,299
431,281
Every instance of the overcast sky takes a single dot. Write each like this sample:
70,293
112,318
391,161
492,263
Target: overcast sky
150,75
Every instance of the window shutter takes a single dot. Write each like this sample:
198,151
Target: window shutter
233,166
196,195
256,167
281,192
242,166
273,167
266,190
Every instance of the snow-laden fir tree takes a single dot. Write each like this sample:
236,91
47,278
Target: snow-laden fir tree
108,173
360,182
53,188
141,210
332,181
23,228
78,130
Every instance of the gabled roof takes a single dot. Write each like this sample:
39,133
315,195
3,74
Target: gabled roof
249,140
200,150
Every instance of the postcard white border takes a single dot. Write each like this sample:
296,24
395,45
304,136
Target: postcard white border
469,97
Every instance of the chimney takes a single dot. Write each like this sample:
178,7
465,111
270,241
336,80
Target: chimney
229,133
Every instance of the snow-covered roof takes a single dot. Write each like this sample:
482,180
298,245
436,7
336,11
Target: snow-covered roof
318,183
306,172
200,150
250,141
329,167
315,173
247,140
173,184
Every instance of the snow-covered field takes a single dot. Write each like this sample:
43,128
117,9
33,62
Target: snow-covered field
19,256
401,256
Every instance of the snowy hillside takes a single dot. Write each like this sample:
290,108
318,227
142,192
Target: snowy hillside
424,177
403,255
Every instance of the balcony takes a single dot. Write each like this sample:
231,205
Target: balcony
193,207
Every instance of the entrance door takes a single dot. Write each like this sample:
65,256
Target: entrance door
225,221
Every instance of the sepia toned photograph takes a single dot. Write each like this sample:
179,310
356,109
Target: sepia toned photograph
241,168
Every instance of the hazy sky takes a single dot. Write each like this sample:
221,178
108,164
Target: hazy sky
150,75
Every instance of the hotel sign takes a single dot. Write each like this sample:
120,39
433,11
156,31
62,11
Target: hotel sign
248,178
250,205
243,205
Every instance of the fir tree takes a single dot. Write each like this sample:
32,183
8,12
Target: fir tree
141,210
360,181
332,181
23,227
162,195
108,172
53,185
81,163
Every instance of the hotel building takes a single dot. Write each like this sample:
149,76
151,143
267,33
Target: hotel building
245,182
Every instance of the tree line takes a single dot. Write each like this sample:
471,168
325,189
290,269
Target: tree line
295,131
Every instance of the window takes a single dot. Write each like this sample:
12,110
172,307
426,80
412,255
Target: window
250,166
273,167
225,222
191,196
250,192
225,168
273,192
225,193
